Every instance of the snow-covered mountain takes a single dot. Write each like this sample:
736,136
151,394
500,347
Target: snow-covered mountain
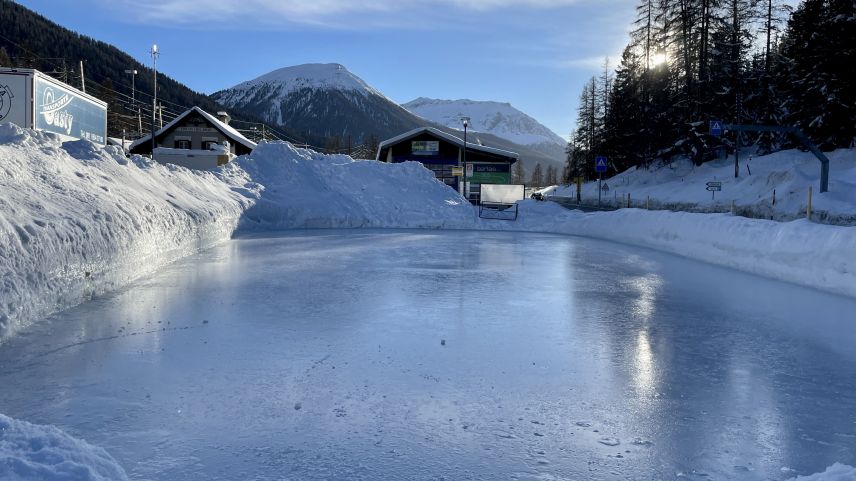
497,118
319,101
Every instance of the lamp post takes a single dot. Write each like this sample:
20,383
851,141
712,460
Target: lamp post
133,74
155,54
466,121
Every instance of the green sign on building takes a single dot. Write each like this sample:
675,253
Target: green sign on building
490,174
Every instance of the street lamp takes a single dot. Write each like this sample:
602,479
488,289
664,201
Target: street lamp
133,73
466,121
155,54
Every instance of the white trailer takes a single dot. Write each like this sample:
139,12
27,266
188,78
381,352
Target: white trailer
34,100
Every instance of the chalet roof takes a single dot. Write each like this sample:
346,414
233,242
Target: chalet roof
447,137
224,128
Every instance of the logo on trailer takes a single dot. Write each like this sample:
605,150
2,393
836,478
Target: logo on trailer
5,101
52,110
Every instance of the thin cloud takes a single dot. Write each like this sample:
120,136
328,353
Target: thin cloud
311,12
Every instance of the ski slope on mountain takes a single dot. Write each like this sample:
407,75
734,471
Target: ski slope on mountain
500,119
682,186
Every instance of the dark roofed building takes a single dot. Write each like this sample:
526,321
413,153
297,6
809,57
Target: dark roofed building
440,152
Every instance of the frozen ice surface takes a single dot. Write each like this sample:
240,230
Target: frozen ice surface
553,344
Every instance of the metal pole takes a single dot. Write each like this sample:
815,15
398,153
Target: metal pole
155,97
82,81
598,189
462,164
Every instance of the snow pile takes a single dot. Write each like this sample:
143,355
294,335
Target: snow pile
78,220
800,252
836,472
298,188
682,186
29,452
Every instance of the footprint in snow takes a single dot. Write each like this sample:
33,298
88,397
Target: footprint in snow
609,441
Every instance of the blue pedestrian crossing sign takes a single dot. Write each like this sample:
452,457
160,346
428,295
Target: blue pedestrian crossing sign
716,128
600,164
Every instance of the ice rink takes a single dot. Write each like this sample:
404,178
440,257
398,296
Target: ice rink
446,355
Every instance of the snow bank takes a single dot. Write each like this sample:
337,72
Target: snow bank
295,188
800,252
836,472
78,220
29,452
682,186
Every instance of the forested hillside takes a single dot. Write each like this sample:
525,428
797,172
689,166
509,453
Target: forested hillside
738,61
29,40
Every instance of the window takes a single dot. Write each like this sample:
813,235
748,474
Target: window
182,144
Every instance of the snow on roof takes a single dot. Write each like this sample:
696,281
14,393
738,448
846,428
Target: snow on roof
448,137
227,130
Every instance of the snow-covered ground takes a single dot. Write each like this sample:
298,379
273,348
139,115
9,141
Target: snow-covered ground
30,452
77,220
682,186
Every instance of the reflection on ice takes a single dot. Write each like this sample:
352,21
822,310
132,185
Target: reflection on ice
644,372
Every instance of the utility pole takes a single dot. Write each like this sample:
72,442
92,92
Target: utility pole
155,54
133,73
82,81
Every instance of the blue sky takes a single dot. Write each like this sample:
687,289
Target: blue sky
536,54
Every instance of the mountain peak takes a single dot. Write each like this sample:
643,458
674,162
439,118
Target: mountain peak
321,76
498,118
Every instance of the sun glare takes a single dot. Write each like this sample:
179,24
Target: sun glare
658,59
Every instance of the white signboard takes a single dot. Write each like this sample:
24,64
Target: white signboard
502,193
14,99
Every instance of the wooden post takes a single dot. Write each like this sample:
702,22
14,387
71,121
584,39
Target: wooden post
628,200
808,209
732,207
648,203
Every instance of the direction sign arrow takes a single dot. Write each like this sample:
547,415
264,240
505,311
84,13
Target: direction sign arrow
714,184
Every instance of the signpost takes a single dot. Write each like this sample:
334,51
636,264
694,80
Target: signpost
716,128
713,188
600,168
